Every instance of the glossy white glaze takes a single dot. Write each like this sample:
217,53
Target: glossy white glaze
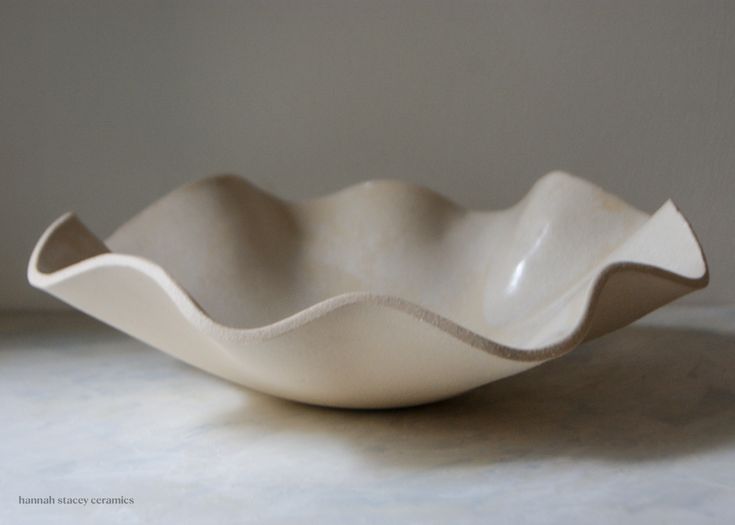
382,294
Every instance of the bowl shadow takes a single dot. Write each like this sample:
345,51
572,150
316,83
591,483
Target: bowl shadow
639,394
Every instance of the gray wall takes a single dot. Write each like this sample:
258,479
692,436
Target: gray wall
105,105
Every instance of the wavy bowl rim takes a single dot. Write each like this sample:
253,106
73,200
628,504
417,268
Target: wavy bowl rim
197,316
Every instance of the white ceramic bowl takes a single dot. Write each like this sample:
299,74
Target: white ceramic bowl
383,294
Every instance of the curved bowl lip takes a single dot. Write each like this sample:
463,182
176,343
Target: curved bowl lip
198,317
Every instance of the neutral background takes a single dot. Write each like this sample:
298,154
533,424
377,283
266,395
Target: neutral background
105,105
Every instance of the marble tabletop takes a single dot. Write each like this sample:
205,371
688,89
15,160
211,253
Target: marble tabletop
636,427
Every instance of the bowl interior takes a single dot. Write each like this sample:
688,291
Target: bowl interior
250,259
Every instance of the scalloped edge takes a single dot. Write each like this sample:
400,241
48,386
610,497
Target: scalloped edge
199,318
